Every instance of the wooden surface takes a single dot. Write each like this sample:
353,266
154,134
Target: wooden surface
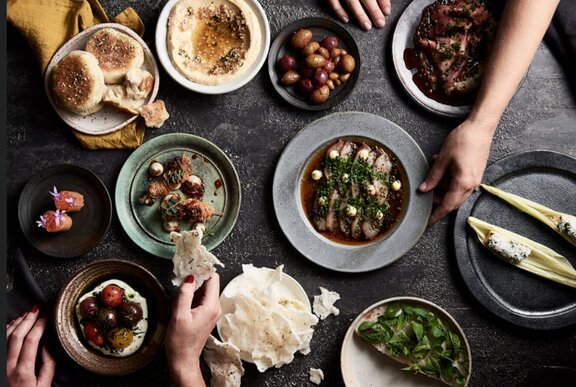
253,125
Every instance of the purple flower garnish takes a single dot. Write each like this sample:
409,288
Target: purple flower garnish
41,222
70,201
58,216
54,193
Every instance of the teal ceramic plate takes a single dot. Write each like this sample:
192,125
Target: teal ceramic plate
142,223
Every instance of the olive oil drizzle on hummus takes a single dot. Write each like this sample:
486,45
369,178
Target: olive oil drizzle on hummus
220,40
213,41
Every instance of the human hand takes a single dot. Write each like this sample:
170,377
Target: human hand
376,9
23,338
194,315
458,167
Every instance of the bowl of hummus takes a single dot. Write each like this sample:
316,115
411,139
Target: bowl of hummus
212,46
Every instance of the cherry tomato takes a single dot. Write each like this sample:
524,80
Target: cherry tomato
94,333
111,296
106,318
120,338
129,313
88,308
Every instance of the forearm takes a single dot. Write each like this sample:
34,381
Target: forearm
521,30
190,376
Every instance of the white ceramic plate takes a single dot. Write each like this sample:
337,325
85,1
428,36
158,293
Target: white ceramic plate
292,217
288,288
107,119
162,51
363,366
401,40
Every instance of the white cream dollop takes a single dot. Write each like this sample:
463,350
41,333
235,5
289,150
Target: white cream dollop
139,330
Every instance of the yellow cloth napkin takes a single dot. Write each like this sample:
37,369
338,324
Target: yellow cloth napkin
48,24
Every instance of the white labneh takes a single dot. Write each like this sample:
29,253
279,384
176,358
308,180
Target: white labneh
139,330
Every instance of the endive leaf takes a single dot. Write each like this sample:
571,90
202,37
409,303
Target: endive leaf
541,260
564,224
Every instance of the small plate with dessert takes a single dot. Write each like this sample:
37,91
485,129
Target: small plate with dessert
64,211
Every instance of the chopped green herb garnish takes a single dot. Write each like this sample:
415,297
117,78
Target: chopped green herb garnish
420,337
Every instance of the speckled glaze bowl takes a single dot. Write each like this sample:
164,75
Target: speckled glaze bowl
69,331
292,216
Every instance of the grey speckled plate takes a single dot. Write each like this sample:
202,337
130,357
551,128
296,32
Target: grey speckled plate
362,365
401,40
107,119
515,295
142,223
288,206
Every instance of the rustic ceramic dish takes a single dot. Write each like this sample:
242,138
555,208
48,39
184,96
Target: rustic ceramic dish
143,223
162,51
320,28
291,214
107,119
362,365
514,295
68,328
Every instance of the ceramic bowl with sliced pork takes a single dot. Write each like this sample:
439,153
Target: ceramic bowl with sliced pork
352,191
451,46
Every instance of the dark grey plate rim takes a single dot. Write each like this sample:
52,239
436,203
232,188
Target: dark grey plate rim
65,241
291,217
462,235
147,151
278,48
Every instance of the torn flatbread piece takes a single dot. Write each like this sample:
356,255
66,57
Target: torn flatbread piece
267,327
191,258
323,305
224,362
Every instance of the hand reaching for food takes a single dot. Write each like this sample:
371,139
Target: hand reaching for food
368,13
464,154
191,257
458,167
194,315
23,338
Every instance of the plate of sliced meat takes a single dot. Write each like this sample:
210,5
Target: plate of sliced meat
345,192
439,50
172,183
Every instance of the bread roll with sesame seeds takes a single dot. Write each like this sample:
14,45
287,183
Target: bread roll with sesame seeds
116,52
78,83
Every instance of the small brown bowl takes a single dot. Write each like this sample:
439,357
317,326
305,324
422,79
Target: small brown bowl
69,331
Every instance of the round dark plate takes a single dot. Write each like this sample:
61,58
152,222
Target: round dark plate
89,224
143,224
517,296
68,327
320,28
293,219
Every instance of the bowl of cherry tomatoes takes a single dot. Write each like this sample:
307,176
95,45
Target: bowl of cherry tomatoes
111,317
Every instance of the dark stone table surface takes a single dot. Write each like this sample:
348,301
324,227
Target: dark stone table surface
253,125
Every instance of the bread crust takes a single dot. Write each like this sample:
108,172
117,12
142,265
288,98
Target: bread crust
116,52
78,83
